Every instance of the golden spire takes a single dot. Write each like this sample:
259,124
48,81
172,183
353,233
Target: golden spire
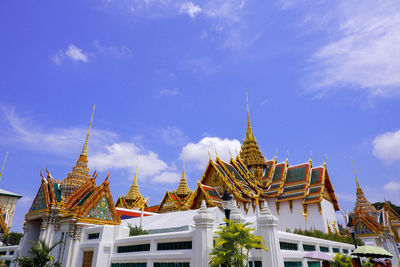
250,152
85,146
133,192
249,132
4,163
355,175
183,188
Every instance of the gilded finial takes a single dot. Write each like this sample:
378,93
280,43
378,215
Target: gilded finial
135,178
216,153
287,156
326,159
85,146
183,188
4,163
355,175
209,155
249,132
230,154
310,156
276,154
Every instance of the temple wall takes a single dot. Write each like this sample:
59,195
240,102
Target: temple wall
329,214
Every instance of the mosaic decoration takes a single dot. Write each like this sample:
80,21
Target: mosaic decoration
40,202
361,229
101,211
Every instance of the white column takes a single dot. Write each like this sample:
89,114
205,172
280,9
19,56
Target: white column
203,236
268,230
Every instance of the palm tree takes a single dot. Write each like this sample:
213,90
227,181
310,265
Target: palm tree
39,255
233,245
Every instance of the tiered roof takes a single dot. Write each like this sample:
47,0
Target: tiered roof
250,152
181,199
133,199
77,196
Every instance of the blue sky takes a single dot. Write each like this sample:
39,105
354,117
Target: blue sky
169,81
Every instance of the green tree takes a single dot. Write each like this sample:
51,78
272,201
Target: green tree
39,256
233,245
11,239
136,230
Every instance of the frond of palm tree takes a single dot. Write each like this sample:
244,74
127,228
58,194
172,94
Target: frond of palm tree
234,243
39,255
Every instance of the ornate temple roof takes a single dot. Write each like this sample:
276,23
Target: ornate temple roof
250,152
77,196
362,202
80,172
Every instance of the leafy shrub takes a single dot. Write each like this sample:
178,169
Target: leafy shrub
136,230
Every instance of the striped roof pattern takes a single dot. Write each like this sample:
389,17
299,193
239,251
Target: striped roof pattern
280,181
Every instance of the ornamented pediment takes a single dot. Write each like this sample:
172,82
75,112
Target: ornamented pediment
40,202
101,211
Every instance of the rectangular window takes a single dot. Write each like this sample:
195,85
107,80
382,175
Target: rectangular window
288,246
133,248
314,264
308,247
345,251
94,236
174,245
256,264
11,252
293,264
129,264
335,250
324,249
3,253
171,264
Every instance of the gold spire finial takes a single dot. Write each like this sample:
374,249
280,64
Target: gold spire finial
183,188
287,156
85,146
4,163
326,159
249,132
355,175
135,178
230,154
216,153
310,156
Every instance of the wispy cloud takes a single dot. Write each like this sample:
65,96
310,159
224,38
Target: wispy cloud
189,8
73,53
167,177
118,52
171,135
169,92
199,152
265,101
105,151
225,17
387,146
393,187
364,51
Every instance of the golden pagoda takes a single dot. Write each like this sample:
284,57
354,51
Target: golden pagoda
362,202
250,152
179,199
75,200
133,199
80,172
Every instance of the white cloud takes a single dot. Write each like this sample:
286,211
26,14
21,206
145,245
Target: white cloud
393,187
364,52
76,53
265,101
125,156
169,92
198,152
190,9
72,53
167,177
387,146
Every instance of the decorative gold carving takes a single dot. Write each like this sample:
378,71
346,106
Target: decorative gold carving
291,205
87,258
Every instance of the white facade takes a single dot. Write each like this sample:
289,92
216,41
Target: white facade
106,240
